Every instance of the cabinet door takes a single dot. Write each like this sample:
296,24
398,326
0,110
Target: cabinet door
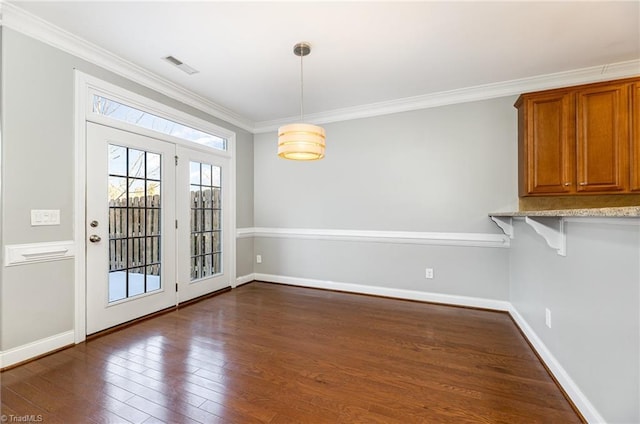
547,141
635,137
602,138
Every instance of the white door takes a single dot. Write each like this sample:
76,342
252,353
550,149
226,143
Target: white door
202,209
130,214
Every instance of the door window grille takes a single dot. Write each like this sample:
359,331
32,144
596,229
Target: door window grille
134,222
206,220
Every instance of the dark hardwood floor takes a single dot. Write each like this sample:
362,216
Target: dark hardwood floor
267,353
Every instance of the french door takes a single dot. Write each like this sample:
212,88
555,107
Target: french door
156,225
130,216
203,223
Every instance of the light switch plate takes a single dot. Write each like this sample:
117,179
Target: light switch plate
45,217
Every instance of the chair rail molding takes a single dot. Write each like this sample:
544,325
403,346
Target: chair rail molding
22,254
375,236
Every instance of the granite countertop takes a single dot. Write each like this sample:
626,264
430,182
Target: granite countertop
626,211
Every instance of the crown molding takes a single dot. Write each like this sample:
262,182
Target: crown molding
468,94
17,19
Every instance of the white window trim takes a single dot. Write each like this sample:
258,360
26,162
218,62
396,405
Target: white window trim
94,86
86,86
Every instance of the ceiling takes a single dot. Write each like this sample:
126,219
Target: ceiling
362,52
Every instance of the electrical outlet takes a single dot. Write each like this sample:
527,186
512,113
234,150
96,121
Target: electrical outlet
258,259
547,317
428,273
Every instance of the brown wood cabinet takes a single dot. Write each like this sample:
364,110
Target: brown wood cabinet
546,143
580,140
634,157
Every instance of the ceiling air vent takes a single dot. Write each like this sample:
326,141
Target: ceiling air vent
180,65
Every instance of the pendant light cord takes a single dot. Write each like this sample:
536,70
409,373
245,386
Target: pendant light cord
301,90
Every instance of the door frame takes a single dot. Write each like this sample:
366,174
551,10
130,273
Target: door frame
85,87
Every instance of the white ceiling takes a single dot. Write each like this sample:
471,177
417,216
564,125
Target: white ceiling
362,52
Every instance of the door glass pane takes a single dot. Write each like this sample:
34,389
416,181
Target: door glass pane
215,175
153,222
117,285
153,194
206,174
134,222
153,166
135,281
206,250
136,163
117,191
153,277
117,160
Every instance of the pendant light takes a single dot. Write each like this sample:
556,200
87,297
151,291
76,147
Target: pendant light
301,141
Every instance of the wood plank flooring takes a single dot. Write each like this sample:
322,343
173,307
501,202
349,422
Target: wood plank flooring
265,353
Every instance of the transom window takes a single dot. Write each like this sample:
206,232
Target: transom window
125,113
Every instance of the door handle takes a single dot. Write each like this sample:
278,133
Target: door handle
94,238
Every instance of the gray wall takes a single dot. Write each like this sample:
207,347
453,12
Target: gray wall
440,169
594,297
38,166
434,170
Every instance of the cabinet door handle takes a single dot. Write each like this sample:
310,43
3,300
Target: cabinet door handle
567,184
583,183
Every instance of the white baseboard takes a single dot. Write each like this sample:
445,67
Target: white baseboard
476,302
245,279
37,348
586,408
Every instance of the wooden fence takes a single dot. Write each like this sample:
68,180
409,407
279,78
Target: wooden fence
135,231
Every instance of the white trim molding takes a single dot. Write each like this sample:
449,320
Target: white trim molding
35,349
468,94
398,237
447,299
244,233
21,254
26,23
581,402
244,279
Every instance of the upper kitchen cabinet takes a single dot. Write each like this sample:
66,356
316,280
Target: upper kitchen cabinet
602,138
634,158
580,140
546,143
